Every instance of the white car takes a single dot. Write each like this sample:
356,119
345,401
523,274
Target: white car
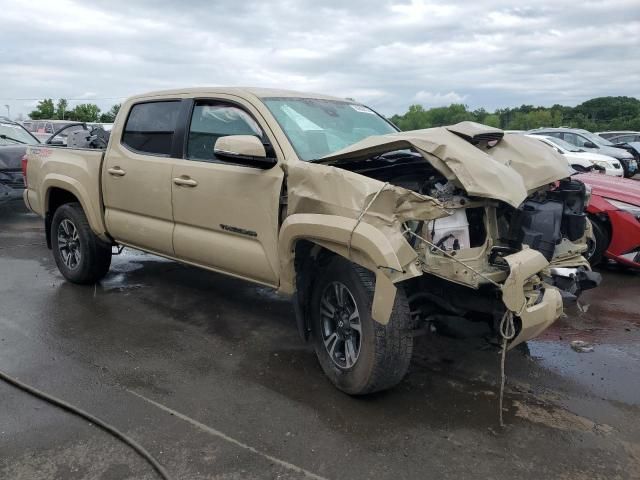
579,159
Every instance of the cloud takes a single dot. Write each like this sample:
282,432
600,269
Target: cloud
387,53
438,99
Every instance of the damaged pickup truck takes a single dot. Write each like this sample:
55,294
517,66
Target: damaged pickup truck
378,235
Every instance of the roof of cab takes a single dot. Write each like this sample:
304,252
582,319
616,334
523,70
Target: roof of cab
239,91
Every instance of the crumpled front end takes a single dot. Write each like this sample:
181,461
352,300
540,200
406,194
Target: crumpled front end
473,225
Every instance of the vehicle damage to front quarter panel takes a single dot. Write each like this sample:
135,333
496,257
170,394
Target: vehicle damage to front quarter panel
357,217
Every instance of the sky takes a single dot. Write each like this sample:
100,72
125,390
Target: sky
386,54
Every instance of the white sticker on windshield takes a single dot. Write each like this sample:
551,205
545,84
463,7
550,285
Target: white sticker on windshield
303,122
362,109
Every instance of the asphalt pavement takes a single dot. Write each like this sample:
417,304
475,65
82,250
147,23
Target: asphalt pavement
209,374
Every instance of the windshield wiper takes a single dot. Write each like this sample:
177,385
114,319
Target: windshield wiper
7,137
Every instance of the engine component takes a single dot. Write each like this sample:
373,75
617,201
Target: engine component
538,224
452,232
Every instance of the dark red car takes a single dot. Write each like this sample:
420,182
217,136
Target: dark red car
614,211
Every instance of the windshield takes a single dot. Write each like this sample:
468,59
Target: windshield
598,140
14,134
317,128
564,145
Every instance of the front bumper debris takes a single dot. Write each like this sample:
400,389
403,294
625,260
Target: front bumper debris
573,281
534,303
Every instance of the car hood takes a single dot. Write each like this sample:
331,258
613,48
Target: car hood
11,156
508,171
613,152
622,189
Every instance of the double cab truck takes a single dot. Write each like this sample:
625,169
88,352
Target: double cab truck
377,235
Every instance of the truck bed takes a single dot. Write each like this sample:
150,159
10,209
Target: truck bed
75,169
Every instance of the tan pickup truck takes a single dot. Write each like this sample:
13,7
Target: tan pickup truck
378,235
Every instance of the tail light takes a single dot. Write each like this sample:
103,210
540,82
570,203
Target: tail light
23,163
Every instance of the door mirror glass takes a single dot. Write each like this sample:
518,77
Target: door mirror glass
243,149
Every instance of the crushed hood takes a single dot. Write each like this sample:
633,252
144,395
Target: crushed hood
507,171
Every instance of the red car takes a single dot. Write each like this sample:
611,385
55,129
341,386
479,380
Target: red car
614,211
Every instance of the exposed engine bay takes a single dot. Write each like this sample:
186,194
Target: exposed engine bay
480,232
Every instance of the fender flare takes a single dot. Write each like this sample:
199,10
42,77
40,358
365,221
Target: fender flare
370,248
73,186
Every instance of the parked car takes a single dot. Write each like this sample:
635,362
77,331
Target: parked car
614,211
14,139
376,234
616,133
630,137
592,143
580,160
44,129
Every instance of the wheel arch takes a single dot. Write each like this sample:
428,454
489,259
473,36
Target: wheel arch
59,190
307,239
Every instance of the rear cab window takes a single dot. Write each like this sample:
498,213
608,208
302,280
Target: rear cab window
150,127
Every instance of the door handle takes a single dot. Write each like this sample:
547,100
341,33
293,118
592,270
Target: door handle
185,181
116,172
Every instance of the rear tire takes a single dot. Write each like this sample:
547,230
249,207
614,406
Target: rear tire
79,254
379,354
595,249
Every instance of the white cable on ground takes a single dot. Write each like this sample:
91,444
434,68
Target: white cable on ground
139,449
507,331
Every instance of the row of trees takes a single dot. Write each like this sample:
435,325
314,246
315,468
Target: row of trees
597,114
84,112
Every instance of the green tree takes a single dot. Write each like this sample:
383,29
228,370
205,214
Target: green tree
602,113
110,116
85,112
44,110
61,109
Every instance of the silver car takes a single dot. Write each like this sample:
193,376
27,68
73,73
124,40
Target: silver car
592,143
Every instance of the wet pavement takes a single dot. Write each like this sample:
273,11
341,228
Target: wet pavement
208,373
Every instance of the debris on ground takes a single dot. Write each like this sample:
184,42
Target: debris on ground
581,346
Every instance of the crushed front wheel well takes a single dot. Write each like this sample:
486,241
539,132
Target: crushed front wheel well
56,197
309,258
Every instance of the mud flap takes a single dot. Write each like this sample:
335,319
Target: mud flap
383,298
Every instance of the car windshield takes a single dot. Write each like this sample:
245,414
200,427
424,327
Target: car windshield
317,127
598,140
13,134
564,145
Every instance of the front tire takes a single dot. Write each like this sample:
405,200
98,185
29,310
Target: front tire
358,354
79,254
597,246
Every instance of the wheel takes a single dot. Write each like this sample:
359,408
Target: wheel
79,254
358,354
596,248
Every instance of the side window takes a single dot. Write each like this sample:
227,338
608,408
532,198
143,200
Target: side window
212,120
48,128
574,139
554,134
150,127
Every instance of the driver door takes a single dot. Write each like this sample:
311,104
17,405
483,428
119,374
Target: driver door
226,215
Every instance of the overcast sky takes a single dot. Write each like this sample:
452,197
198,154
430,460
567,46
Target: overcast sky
388,54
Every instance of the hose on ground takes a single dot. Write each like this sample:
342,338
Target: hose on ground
139,449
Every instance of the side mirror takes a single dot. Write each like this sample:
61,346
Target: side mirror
245,150
590,145
55,141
